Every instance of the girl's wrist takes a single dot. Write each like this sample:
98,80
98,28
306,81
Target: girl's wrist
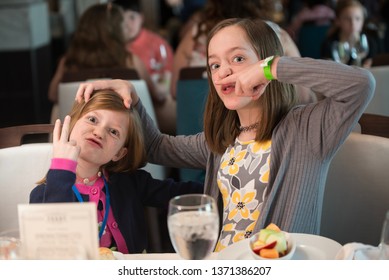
269,68
274,65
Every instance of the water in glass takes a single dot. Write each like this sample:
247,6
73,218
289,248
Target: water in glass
193,224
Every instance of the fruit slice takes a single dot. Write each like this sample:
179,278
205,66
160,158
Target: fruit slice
264,234
258,243
281,245
257,249
273,227
269,253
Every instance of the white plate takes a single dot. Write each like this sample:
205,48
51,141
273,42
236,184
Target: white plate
309,247
118,255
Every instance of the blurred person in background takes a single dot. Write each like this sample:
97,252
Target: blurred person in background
348,40
317,12
157,55
100,44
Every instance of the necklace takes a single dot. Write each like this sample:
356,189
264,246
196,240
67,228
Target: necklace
249,127
87,180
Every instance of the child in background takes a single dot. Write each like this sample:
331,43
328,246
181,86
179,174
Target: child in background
157,55
348,40
96,157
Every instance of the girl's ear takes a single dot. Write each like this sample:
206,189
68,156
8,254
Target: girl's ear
122,152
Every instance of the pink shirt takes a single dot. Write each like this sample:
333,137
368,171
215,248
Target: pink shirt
147,47
96,194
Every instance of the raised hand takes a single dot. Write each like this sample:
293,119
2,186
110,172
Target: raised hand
62,147
124,88
248,82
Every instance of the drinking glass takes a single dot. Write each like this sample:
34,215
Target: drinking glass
158,62
159,75
384,244
341,52
10,245
193,224
360,50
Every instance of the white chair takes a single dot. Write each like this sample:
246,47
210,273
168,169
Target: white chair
356,195
379,105
21,167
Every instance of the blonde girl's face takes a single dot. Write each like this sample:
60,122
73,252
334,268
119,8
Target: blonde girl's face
230,52
101,135
351,21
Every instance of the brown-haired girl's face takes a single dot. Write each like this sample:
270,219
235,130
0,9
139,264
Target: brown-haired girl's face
230,52
351,20
101,135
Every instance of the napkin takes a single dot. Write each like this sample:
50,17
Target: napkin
358,251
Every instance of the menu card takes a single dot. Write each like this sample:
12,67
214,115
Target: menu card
58,231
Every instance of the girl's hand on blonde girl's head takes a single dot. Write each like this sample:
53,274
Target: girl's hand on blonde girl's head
124,88
62,147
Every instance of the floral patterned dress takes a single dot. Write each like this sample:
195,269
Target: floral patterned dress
242,180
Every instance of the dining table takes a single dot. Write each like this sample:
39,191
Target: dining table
308,247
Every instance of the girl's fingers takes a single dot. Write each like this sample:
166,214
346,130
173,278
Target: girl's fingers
57,131
65,129
226,80
84,92
122,87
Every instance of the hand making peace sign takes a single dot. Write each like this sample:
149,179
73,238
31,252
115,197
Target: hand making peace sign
62,147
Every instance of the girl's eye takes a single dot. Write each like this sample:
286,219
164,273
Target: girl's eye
114,132
238,59
92,119
214,66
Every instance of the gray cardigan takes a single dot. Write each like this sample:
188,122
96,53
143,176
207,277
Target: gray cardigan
303,143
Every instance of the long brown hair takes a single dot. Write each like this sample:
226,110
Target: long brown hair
221,126
98,41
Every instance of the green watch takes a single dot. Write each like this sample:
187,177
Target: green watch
266,68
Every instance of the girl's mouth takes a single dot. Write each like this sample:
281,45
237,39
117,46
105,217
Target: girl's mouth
228,88
94,142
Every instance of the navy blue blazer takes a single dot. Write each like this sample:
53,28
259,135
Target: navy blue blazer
129,193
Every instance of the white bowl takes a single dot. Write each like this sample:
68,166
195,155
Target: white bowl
290,251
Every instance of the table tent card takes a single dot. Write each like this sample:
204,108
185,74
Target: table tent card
58,231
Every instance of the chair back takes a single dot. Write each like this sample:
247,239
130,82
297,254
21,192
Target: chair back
380,59
193,73
66,96
192,92
379,105
21,167
374,125
23,134
310,39
356,195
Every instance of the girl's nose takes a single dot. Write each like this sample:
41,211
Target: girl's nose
225,71
98,131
